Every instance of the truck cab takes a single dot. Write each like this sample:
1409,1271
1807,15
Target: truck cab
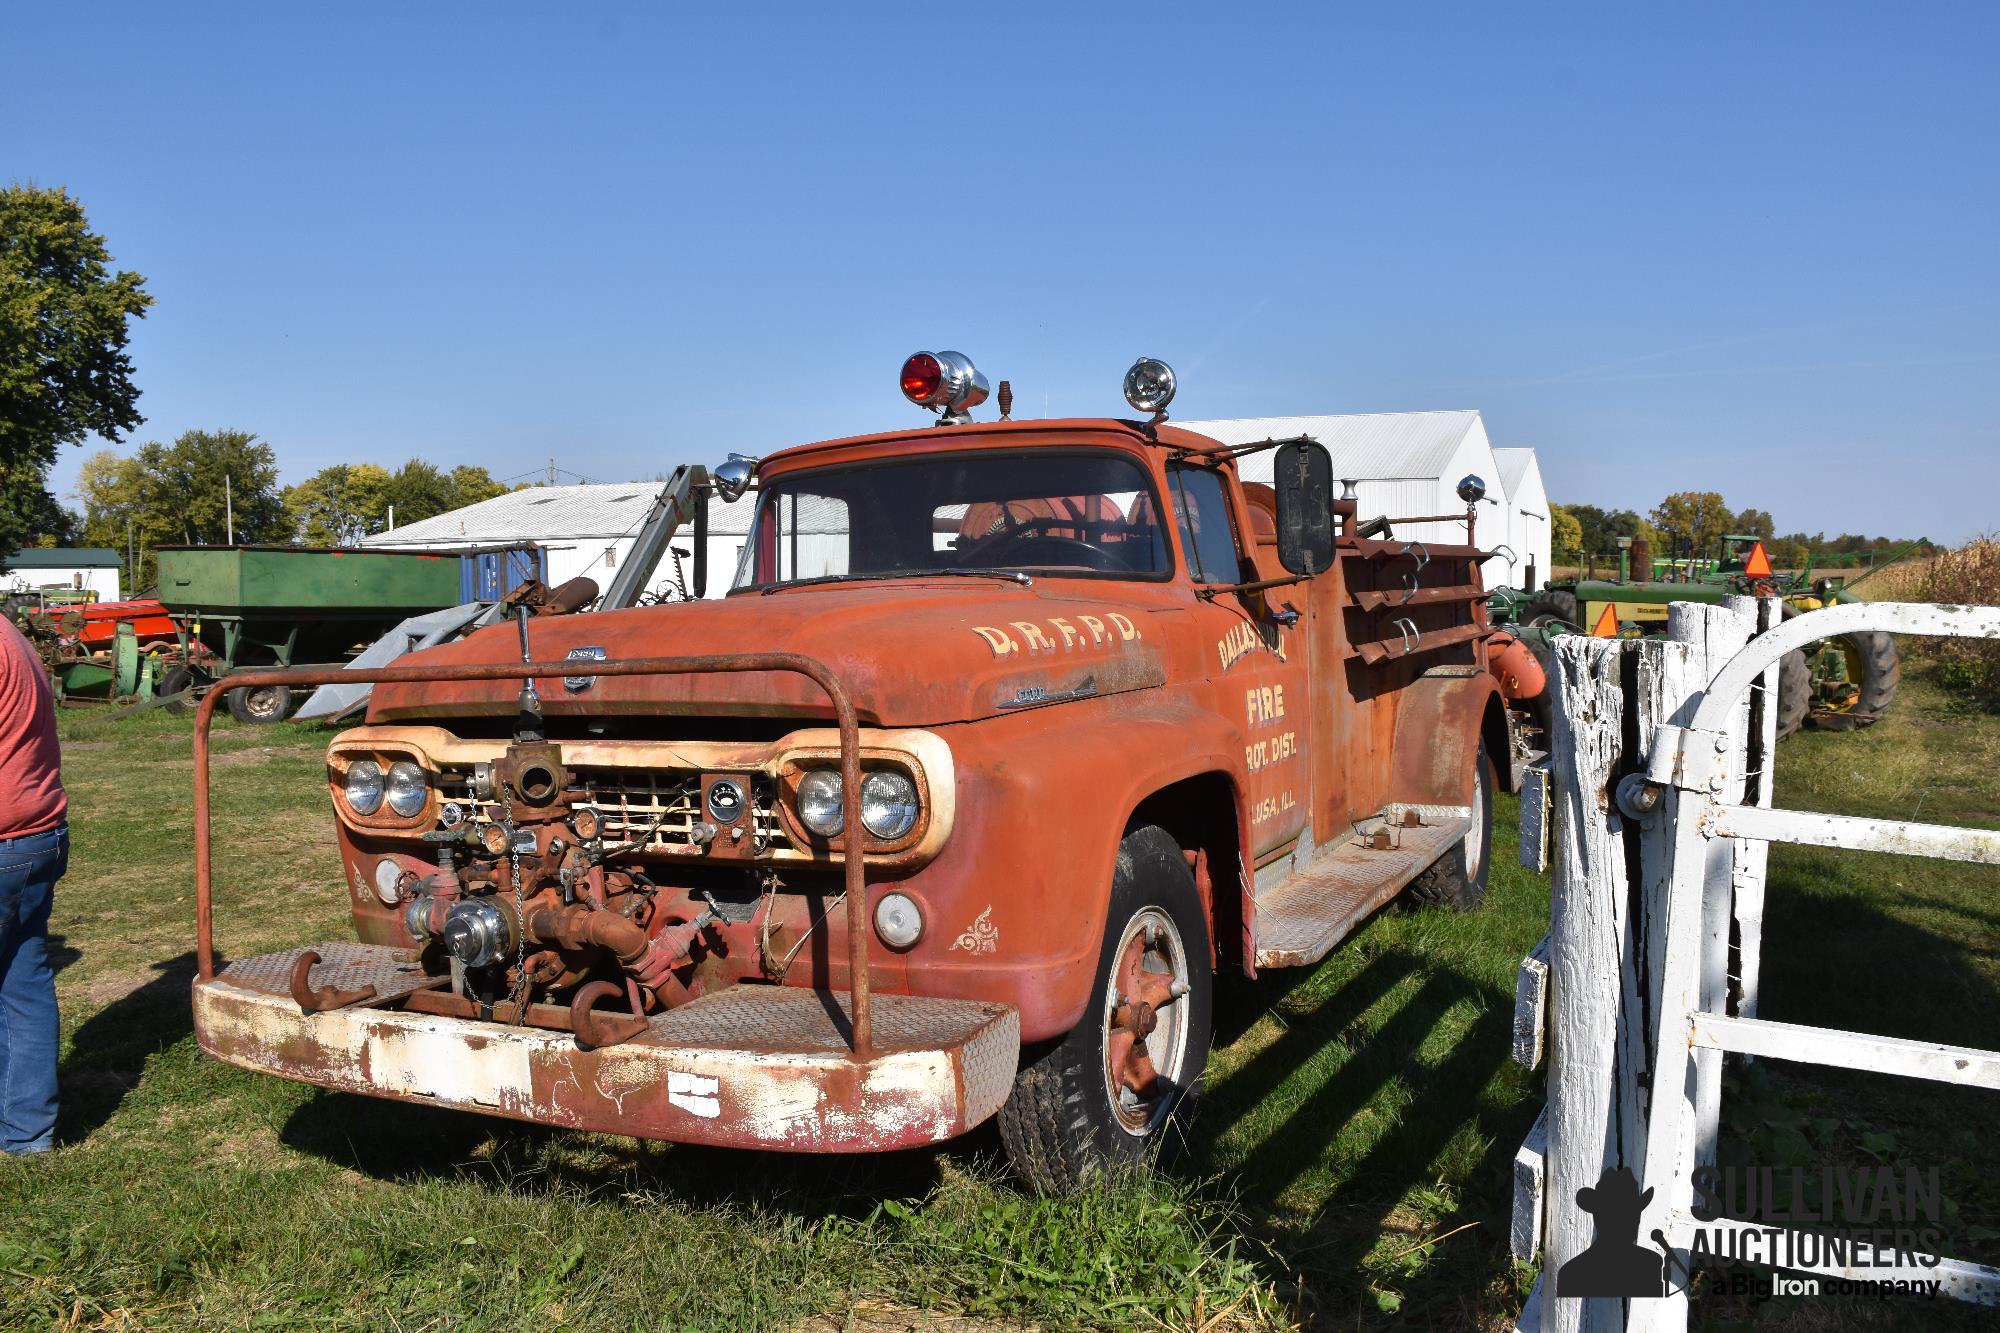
1007,736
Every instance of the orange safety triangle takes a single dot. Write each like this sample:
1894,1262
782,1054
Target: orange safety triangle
1758,566
1607,624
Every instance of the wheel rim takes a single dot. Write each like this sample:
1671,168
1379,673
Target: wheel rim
1145,1022
1475,837
263,702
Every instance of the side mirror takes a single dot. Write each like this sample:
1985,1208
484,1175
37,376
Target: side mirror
1302,477
732,477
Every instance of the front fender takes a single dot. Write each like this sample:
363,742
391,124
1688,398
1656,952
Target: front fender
1020,892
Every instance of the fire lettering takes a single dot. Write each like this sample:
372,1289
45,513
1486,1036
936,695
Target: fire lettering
1126,629
1070,637
1265,703
998,640
1096,628
1031,634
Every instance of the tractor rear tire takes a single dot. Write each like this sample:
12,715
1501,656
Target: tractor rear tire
1072,1114
1794,693
1458,878
260,703
1553,604
1872,656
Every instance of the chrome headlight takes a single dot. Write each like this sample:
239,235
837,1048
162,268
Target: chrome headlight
364,787
888,804
820,806
407,788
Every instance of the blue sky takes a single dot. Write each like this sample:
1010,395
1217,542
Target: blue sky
1749,248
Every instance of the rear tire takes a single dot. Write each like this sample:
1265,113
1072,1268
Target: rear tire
1121,1087
1458,878
1873,668
260,703
1554,606
1794,692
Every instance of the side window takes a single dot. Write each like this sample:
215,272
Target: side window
1201,508
798,536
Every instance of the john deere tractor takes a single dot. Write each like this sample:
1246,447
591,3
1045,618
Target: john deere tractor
1837,683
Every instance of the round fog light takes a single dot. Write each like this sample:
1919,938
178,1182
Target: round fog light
388,875
898,920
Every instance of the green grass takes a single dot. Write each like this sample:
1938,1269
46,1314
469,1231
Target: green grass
1350,1168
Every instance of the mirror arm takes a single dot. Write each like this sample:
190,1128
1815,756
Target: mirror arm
1259,585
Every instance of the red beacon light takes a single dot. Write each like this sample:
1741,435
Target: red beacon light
945,382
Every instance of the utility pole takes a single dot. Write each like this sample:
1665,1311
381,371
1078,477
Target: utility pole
228,511
131,561
552,472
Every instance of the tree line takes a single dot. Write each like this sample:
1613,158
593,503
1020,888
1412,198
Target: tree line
1696,521
209,487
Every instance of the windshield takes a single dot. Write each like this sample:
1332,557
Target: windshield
1087,513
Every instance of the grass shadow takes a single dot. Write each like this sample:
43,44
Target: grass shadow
108,1051
397,1141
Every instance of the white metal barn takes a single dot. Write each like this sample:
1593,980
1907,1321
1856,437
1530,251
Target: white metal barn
1529,529
71,568
585,529
1402,464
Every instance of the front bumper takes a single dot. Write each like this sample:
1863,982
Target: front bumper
749,1067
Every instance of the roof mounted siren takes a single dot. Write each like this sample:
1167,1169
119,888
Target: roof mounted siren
1149,387
945,382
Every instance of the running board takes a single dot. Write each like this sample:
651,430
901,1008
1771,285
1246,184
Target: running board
1299,919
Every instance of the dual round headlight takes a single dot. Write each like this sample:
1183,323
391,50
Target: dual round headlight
403,788
889,803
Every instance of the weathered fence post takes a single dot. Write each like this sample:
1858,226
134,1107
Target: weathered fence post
1606,945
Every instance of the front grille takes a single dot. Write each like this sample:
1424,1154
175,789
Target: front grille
656,809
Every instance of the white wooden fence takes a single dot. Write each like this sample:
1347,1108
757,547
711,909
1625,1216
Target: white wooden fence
1654,813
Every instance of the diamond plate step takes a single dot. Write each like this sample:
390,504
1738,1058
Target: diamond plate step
1300,919
343,964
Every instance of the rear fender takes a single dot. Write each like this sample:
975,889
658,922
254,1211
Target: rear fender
1442,718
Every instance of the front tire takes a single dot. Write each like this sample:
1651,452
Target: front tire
1121,1086
1458,878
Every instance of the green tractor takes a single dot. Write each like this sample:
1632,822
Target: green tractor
1837,684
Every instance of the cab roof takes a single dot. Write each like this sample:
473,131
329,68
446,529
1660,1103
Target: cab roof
937,439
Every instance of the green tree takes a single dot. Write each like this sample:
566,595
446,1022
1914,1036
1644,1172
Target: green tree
64,375
207,475
338,505
1565,535
176,495
421,490
1754,523
1603,527
1700,516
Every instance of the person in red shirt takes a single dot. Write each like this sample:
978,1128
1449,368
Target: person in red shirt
34,853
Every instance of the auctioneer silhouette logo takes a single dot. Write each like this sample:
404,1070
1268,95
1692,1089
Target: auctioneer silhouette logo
1616,1264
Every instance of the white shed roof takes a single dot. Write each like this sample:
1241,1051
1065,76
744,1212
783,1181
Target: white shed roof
598,511
1374,445
1514,465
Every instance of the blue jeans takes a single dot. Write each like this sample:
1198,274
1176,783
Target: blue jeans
29,869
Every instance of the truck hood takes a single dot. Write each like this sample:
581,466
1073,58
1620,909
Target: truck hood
910,653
